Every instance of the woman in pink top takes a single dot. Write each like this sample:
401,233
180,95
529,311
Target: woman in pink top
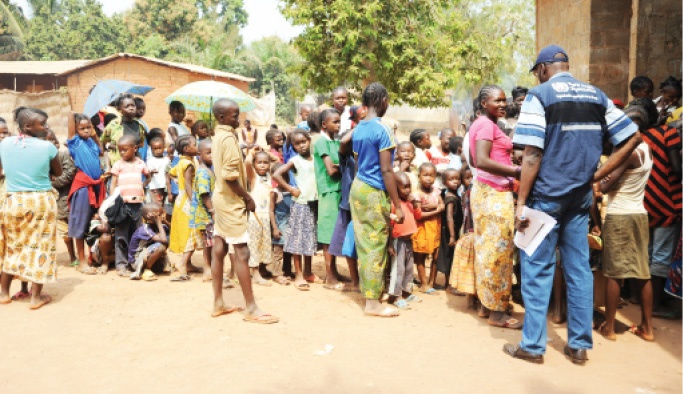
493,209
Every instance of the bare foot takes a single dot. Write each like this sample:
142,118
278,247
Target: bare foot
103,269
506,321
220,309
607,333
258,279
206,277
40,301
5,299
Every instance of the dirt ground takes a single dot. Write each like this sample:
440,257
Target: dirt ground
106,334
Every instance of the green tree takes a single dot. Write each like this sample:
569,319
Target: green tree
502,42
414,48
175,19
269,61
78,29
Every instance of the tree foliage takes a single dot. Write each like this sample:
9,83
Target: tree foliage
414,48
268,61
77,29
12,26
175,19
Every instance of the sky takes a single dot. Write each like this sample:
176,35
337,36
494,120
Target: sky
264,18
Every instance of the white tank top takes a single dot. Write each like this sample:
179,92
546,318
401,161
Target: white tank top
626,197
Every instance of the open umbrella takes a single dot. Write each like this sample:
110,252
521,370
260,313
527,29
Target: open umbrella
200,96
107,91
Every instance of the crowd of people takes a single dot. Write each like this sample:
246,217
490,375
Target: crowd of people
122,196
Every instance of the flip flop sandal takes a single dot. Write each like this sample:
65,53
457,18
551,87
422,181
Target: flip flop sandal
74,263
263,282
402,304
149,276
431,291
228,284
181,278
413,298
88,271
387,312
269,319
335,287
314,279
20,295
302,287
103,269
516,325
282,280
636,330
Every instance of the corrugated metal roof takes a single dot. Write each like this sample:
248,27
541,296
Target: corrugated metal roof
40,67
65,67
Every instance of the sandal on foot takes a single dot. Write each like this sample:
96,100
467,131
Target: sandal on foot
336,287
44,300
88,270
263,319
601,330
413,298
262,282
431,291
103,269
637,331
402,304
20,295
386,312
228,284
74,263
511,323
149,276
302,286
123,273
314,279
181,278
282,280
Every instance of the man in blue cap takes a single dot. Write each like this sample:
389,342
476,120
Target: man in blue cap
562,125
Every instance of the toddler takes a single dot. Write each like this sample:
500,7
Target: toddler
259,224
405,153
200,131
462,272
451,222
202,212
157,164
184,239
176,128
101,241
280,206
127,176
148,245
401,276
426,239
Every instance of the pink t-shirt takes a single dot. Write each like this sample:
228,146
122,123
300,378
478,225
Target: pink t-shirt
130,179
484,129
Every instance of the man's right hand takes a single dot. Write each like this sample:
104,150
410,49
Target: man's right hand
520,224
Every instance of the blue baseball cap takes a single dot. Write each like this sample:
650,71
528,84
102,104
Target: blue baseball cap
547,55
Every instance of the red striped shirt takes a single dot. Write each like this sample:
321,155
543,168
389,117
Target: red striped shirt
663,190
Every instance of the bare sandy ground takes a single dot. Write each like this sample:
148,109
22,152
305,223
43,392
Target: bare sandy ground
105,334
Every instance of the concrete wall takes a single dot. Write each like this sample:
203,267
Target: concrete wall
659,40
609,50
164,79
566,23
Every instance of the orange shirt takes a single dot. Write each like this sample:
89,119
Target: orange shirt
408,227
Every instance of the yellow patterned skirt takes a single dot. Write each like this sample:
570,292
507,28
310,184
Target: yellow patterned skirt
28,236
462,271
494,229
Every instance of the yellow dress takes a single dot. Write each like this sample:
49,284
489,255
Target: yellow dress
183,238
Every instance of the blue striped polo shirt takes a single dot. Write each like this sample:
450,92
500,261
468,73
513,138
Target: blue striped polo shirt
569,120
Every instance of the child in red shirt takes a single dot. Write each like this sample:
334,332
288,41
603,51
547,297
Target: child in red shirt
401,276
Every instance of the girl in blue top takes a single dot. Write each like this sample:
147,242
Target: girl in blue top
84,147
373,144
28,214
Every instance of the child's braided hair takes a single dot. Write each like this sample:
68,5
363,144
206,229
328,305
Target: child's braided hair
374,94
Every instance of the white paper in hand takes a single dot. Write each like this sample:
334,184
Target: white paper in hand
540,224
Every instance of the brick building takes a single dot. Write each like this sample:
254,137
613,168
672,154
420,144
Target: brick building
77,77
610,42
